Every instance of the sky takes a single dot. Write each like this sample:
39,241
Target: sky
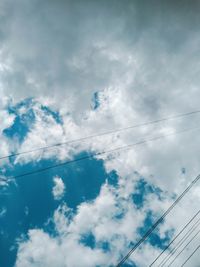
72,69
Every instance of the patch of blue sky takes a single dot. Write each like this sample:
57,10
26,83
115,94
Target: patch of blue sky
142,189
105,246
13,109
23,120
30,202
10,227
95,100
88,240
119,216
21,125
55,115
18,130
155,239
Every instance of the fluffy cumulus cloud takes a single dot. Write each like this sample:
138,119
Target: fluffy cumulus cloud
72,69
59,188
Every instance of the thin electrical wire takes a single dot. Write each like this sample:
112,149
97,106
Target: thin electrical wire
101,134
121,148
152,228
191,255
174,239
189,242
180,243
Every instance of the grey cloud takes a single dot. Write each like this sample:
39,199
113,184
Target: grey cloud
56,48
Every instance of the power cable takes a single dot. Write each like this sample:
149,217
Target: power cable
101,134
192,254
172,241
180,243
126,147
189,242
152,228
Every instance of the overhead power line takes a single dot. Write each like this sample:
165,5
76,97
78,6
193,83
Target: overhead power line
174,239
121,148
191,255
154,226
101,134
180,243
188,243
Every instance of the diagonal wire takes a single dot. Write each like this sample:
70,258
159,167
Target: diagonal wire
101,134
192,254
153,227
188,243
180,243
174,239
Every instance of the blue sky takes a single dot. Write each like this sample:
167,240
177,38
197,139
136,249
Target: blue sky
72,69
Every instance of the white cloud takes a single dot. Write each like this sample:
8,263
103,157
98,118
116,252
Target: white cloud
6,120
59,188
